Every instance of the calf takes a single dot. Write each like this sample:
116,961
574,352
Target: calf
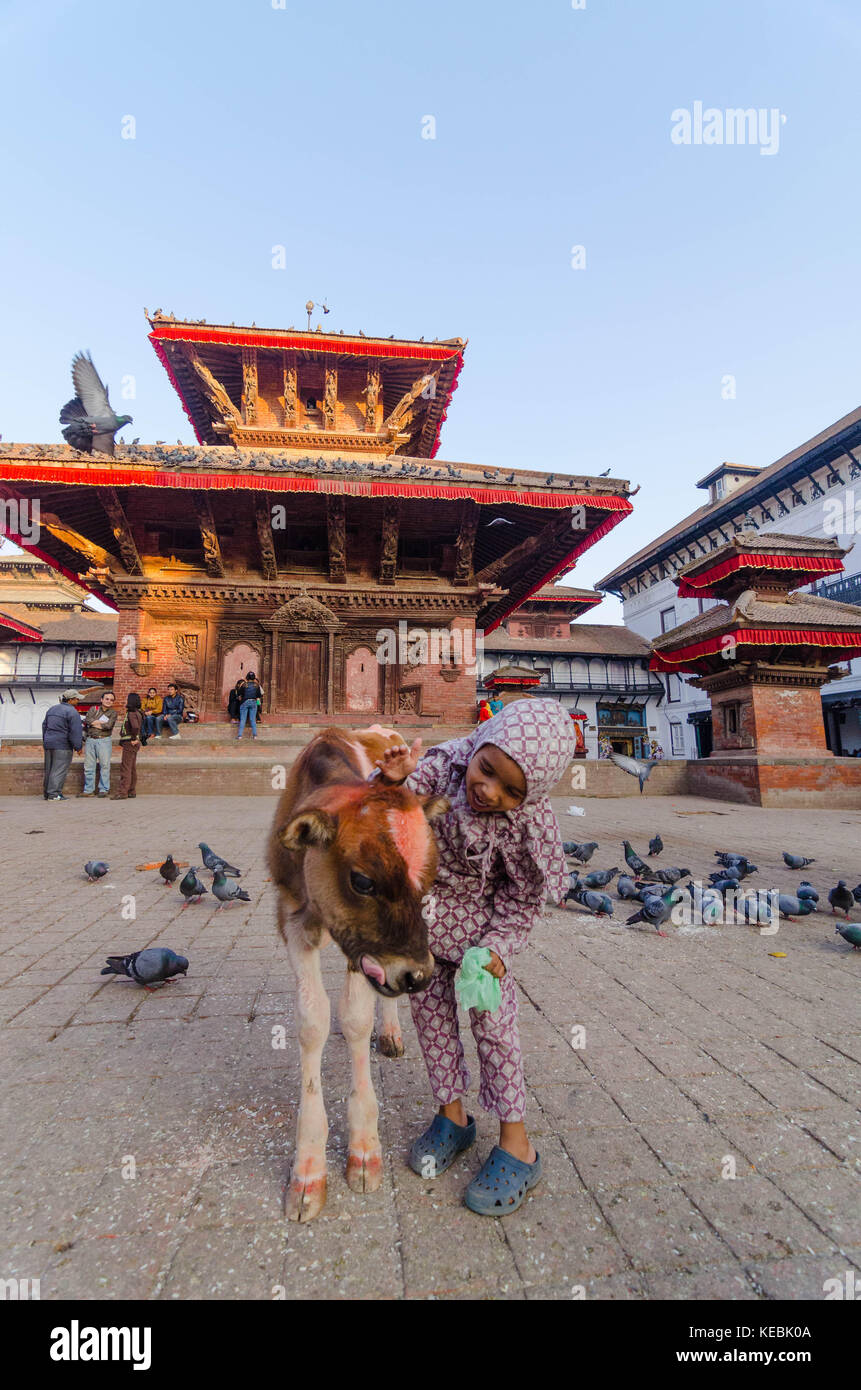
351,859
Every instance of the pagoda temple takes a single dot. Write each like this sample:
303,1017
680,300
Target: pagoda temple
311,534
762,651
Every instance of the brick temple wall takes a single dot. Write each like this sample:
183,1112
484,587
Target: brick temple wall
772,720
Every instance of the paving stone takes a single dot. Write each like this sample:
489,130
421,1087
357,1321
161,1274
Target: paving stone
632,1200
756,1217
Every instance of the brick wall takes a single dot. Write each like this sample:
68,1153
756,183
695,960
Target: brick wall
770,720
138,632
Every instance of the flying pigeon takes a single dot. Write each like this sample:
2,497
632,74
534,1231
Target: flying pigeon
89,417
841,897
168,870
582,852
154,966
796,861
599,878
852,934
95,868
214,862
191,886
640,770
655,911
806,890
656,844
227,892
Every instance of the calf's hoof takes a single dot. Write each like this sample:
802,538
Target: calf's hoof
364,1171
306,1198
390,1044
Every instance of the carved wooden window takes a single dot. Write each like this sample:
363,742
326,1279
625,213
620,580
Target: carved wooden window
731,717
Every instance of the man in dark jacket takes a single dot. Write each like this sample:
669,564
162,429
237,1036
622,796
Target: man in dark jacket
62,735
172,708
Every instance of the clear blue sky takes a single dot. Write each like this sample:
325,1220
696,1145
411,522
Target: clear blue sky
301,126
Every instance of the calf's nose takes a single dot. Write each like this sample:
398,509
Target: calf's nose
412,981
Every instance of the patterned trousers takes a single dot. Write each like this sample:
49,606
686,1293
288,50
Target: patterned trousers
502,1090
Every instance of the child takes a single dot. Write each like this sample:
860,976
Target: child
500,857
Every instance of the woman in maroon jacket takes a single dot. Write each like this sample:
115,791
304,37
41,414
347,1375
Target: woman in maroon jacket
130,742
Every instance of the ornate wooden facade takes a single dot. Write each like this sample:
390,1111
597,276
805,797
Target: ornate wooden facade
308,527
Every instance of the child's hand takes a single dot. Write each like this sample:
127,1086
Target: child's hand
396,764
495,967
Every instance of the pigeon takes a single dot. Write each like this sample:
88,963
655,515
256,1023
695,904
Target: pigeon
626,887
671,875
168,870
707,904
728,858
154,966
852,934
756,908
89,417
724,885
796,861
191,886
642,771
598,903
656,845
227,892
95,868
720,874
806,890
633,860
841,897
214,862
582,852
655,911
793,907
856,893
599,878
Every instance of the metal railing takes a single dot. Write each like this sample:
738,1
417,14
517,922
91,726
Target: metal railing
846,590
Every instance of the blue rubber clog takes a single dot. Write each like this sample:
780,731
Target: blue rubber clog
440,1145
502,1184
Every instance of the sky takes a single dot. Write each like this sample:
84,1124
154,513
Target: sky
711,314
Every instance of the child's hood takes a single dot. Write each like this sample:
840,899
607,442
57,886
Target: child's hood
538,735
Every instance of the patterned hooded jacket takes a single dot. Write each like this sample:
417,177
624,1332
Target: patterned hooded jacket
496,869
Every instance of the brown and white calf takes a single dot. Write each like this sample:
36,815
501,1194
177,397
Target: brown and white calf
351,860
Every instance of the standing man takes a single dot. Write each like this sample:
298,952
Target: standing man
62,735
172,709
98,726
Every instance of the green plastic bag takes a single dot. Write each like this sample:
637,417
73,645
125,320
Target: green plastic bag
474,986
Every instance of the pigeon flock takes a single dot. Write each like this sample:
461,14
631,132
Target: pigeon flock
158,965
724,898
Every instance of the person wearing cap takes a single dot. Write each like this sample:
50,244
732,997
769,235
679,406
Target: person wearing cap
62,735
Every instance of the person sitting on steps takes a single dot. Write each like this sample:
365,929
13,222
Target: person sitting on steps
172,710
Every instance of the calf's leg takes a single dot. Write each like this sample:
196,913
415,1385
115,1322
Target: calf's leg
389,1038
306,1195
365,1157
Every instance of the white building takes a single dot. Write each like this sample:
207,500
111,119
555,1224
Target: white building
813,491
35,599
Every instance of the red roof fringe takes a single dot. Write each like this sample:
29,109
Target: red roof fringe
754,637
345,346
623,507
120,476
695,586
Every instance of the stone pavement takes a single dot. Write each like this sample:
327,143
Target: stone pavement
703,1053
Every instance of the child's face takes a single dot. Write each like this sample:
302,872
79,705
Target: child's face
494,782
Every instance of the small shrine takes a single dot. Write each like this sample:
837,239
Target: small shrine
511,683
763,650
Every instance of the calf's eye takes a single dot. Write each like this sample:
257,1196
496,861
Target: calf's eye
361,882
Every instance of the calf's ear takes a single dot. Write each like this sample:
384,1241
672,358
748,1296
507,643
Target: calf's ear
434,806
308,828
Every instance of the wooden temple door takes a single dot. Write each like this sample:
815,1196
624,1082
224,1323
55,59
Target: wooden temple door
301,683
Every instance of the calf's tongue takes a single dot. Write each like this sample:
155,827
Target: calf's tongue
373,970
